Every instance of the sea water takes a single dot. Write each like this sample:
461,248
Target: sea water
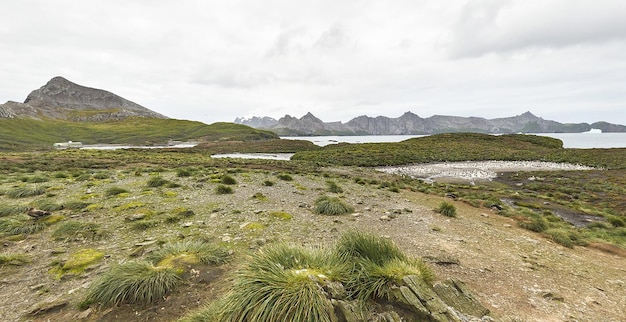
570,140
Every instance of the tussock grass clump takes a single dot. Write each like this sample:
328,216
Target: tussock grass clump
536,224
144,225
7,210
13,226
133,282
210,312
223,190
285,177
157,182
616,221
331,206
331,186
268,183
71,230
101,175
26,191
181,254
60,175
183,172
282,283
355,244
13,259
76,205
114,191
560,237
36,179
47,205
226,179
379,264
447,209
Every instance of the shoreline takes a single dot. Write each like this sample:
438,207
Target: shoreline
476,170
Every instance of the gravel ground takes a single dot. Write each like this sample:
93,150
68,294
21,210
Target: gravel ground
517,274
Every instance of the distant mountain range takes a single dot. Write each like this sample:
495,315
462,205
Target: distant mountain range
62,99
411,124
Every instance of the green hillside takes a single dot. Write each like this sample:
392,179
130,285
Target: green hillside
22,134
462,147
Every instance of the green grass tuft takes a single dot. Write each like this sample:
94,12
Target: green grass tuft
180,254
536,224
447,209
331,206
331,186
114,191
379,265
71,230
285,177
26,191
133,282
13,259
157,182
355,244
283,283
223,190
7,210
12,226
226,179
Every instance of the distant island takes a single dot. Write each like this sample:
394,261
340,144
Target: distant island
412,124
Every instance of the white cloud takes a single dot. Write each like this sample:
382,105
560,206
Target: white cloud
486,26
217,60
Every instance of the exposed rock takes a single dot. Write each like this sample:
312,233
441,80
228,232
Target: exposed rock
48,305
62,99
456,294
348,311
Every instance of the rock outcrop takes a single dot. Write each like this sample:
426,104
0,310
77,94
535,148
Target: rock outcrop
62,99
413,300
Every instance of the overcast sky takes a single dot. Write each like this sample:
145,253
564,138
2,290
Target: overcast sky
210,61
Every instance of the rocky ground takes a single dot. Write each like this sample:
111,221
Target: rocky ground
516,274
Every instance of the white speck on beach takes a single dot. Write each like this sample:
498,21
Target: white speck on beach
476,170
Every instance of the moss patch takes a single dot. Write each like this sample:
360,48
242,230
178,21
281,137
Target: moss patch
78,262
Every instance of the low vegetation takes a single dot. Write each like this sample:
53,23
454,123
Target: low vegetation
164,206
26,133
447,209
133,282
290,283
332,206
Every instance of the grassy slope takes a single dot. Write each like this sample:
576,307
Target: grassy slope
22,134
463,147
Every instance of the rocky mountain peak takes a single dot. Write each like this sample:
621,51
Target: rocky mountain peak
62,99
411,123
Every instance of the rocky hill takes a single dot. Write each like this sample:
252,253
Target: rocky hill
62,99
62,111
410,123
